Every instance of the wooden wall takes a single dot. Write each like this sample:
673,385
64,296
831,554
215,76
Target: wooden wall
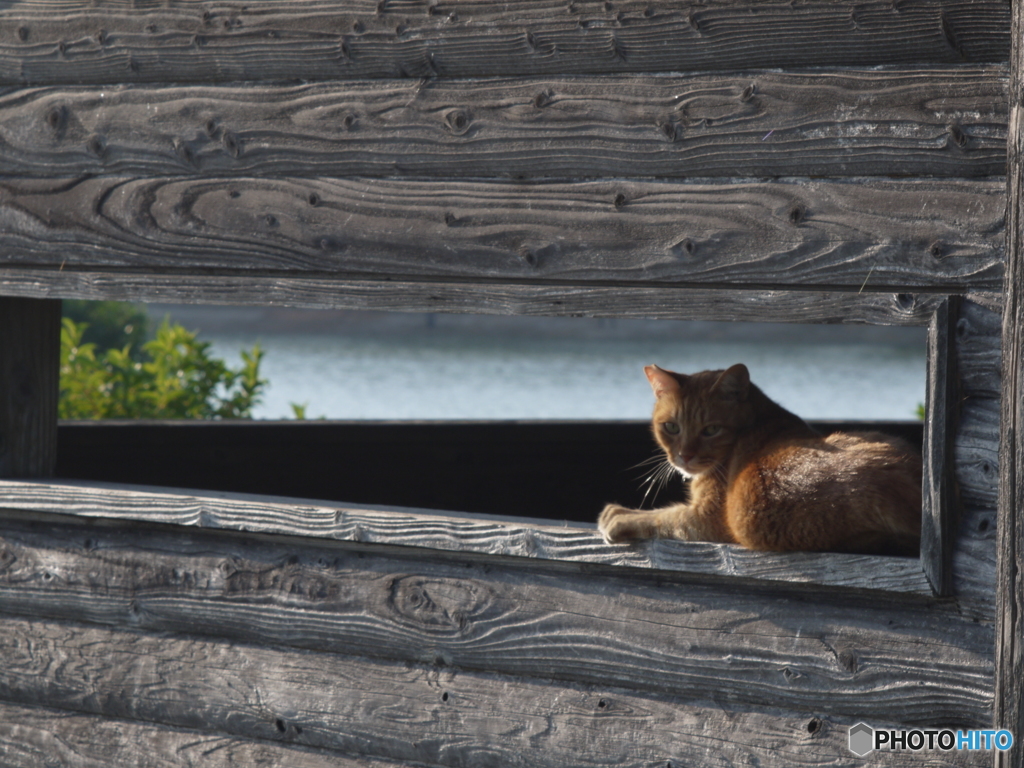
808,162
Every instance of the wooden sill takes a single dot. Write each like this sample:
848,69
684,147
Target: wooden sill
450,534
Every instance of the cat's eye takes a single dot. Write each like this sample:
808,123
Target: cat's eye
671,427
710,431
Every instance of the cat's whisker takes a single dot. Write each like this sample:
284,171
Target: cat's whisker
655,459
656,480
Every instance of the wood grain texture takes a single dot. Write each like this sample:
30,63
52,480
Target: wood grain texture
34,737
29,383
977,451
366,713
187,41
938,523
974,563
864,235
483,298
456,533
687,638
1009,687
979,350
921,122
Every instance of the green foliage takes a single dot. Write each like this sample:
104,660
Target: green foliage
110,324
921,414
172,376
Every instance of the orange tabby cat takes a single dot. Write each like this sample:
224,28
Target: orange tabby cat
761,477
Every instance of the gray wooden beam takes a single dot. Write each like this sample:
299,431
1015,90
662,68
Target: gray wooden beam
29,382
858,236
919,122
904,659
455,534
939,523
508,298
122,698
36,737
1009,690
178,41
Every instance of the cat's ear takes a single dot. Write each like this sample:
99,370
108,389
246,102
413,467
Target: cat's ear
734,383
662,382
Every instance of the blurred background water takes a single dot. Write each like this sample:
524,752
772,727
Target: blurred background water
370,365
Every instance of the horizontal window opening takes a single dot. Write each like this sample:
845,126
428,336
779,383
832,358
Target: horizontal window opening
544,418
400,366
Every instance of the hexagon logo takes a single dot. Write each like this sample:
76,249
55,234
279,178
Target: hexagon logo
862,739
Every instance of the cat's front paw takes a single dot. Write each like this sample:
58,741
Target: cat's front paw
618,524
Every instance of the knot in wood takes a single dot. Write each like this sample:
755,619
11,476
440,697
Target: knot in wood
97,145
685,247
457,121
442,606
958,137
906,301
184,152
56,118
231,144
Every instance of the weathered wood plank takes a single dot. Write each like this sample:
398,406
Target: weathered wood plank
865,235
977,451
916,123
455,533
938,524
29,383
1009,688
33,737
974,563
185,41
502,299
909,661
369,712
979,350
